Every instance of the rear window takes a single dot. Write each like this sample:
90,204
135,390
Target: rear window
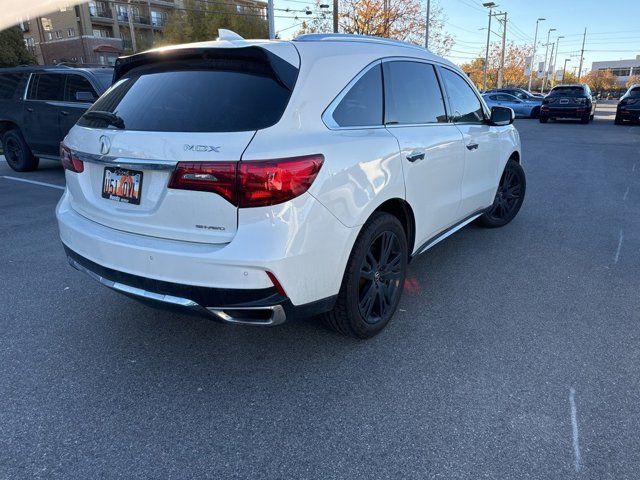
8,84
213,96
567,92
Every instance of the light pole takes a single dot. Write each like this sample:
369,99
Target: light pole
555,59
546,52
490,6
426,32
533,54
564,70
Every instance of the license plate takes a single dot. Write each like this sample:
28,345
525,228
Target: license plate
564,100
122,185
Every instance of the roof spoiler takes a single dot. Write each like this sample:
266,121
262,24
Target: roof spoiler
284,72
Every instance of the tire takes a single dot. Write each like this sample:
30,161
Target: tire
508,199
17,153
543,119
618,120
584,120
362,308
591,117
535,113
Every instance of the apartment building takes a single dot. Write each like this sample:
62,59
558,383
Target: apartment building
96,32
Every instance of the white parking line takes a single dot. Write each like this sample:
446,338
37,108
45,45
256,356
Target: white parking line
574,429
624,197
51,185
620,238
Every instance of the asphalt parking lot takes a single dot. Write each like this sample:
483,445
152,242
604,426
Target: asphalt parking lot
515,353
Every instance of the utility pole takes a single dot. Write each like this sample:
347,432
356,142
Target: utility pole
546,52
584,37
504,44
335,16
134,46
270,20
426,33
490,6
533,54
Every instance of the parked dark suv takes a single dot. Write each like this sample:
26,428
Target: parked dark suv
629,106
38,106
568,101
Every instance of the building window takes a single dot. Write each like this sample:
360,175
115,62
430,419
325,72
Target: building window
71,32
49,36
58,33
158,19
102,33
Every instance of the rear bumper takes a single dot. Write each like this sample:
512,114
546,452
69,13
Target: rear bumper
299,243
565,112
262,307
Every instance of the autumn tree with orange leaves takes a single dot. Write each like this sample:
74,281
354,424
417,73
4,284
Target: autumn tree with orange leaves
600,80
514,63
398,19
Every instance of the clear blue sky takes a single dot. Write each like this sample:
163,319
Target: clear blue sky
613,27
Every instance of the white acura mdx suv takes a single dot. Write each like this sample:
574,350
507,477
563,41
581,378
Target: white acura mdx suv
259,180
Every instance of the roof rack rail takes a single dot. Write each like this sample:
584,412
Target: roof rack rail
351,37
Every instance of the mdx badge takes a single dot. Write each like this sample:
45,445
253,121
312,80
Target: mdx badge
201,148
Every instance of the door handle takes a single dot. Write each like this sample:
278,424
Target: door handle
29,109
64,112
415,156
472,146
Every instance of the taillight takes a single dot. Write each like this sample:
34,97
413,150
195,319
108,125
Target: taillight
69,160
269,182
250,183
215,177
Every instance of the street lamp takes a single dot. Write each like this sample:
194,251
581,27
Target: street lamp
533,54
490,6
546,52
564,70
555,59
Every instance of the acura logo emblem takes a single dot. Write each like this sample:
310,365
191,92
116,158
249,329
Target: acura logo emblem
105,144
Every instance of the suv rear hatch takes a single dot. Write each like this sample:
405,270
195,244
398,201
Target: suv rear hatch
569,96
198,104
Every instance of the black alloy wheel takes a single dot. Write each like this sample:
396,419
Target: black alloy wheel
509,197
380,276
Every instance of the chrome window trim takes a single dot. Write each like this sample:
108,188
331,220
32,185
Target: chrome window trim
26,88
124,162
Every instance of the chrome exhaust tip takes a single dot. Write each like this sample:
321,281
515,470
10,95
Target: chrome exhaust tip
258,316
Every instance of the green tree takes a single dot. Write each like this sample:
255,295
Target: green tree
13,51
199,21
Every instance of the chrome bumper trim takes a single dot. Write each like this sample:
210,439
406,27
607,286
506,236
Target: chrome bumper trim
277,315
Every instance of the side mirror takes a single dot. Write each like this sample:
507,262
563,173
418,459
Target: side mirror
85,97
502,116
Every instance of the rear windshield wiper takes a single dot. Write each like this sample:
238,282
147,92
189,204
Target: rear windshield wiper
107,117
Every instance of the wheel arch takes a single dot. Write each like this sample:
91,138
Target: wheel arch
401,209
6,125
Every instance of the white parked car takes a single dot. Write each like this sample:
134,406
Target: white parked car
260,180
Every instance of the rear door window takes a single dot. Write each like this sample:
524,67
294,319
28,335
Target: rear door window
464,103
46,86
412,94
362,105
77,83
567,92
9,84
213,96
